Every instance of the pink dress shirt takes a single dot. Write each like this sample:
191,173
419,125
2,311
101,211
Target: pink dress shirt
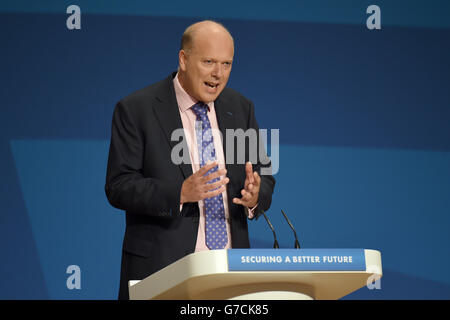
188,117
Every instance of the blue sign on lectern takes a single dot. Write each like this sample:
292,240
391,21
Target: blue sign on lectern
296,260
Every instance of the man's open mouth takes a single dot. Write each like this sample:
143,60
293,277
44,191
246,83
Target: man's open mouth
211,84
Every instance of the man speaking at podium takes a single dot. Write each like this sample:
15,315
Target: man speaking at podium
172,208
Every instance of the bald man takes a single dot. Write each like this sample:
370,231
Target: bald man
203,203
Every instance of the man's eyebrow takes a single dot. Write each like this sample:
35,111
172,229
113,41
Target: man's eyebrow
215,60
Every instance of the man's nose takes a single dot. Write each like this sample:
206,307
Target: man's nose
217,71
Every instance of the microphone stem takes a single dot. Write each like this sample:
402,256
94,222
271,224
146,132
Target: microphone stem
297,244
275,243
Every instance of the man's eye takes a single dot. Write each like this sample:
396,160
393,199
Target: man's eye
208,62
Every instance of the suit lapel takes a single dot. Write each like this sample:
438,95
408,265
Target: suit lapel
169,118
226,120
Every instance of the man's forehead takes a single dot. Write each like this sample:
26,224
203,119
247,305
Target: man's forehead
208,38
213,55
212,47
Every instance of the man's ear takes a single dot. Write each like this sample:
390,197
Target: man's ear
182,59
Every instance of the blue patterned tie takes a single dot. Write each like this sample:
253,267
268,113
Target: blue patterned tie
216,232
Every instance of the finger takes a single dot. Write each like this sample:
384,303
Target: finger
206,168
246,196
257,178
214,193
252,189
241,201
214,175
250,192
217,184
237,201
249,171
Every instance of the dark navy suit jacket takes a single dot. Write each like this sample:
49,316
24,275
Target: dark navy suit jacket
142,179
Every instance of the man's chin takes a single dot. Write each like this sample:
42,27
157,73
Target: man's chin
208,97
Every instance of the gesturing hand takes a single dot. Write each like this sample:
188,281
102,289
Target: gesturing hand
196,187
251,188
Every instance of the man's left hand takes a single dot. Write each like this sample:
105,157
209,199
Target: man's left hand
251,188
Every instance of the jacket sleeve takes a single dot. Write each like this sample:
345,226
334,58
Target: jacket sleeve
267,180
126,188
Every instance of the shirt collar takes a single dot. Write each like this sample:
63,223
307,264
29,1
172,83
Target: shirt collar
185,101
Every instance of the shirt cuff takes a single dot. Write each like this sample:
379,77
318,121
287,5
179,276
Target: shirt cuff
250,212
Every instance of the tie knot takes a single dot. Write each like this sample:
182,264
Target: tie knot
200,109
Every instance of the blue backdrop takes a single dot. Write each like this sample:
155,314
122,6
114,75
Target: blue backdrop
363,118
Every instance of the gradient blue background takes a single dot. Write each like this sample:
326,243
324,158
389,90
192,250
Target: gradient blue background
363,118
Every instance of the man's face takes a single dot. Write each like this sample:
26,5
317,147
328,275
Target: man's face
206,67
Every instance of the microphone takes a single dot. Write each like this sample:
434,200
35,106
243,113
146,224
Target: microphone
297,244
275,243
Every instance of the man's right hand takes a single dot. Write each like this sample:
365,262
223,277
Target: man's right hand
196,187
